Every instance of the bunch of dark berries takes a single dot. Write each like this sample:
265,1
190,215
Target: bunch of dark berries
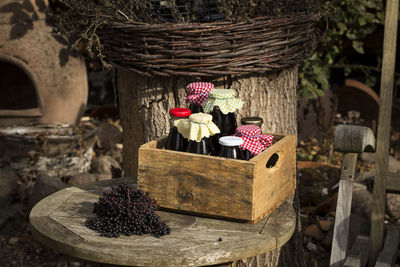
128,211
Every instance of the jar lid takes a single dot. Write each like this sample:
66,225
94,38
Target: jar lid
197,93
253,140
198,126
199,87
248,130
222,93
230,141
223,98
252,120
180,112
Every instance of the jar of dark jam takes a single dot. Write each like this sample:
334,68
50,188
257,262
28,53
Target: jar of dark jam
197,94
229,147
225,122
194,108
247,155
197,130
258,121
222,105
203,147
175,140
253,141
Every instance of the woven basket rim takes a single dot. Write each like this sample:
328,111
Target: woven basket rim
258,45
314,15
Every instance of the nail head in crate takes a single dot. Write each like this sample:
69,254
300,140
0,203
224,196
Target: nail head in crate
216,186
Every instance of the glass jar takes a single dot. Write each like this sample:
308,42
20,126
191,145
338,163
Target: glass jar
253,141
247,155
222,104
229,147
175,140
197,130
258,121
225,122
194,108
203,147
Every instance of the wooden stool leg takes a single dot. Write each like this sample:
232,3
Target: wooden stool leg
359,253
343,209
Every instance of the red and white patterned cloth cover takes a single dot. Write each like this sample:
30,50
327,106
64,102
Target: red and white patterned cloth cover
197,93
254,141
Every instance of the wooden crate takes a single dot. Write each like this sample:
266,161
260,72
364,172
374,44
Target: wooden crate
216,186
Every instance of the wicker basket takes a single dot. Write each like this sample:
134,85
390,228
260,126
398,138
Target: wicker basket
211,49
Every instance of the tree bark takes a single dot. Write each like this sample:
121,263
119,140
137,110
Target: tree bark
273,97
145,103
144,108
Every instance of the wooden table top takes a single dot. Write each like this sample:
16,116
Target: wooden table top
58,222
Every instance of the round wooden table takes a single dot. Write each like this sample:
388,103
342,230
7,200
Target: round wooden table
58,222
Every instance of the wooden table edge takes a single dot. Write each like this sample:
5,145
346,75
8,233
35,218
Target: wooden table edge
77,246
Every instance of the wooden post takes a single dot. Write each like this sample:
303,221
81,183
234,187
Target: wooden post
145,102
383,137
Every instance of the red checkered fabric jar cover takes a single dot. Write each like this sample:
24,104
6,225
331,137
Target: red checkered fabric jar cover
197,93
254,141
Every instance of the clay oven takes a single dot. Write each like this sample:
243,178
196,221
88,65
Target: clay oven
40,81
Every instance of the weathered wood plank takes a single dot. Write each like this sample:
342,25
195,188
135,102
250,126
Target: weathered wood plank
352,140
216,186
274,185
358,256
385,111
343,209
393,182
192,242
197,183
389,252
45,208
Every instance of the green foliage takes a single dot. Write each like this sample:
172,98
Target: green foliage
349,22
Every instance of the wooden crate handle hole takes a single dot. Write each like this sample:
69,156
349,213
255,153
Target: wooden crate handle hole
272,161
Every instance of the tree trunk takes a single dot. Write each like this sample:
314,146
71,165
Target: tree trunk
144,107
145,103
273,97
